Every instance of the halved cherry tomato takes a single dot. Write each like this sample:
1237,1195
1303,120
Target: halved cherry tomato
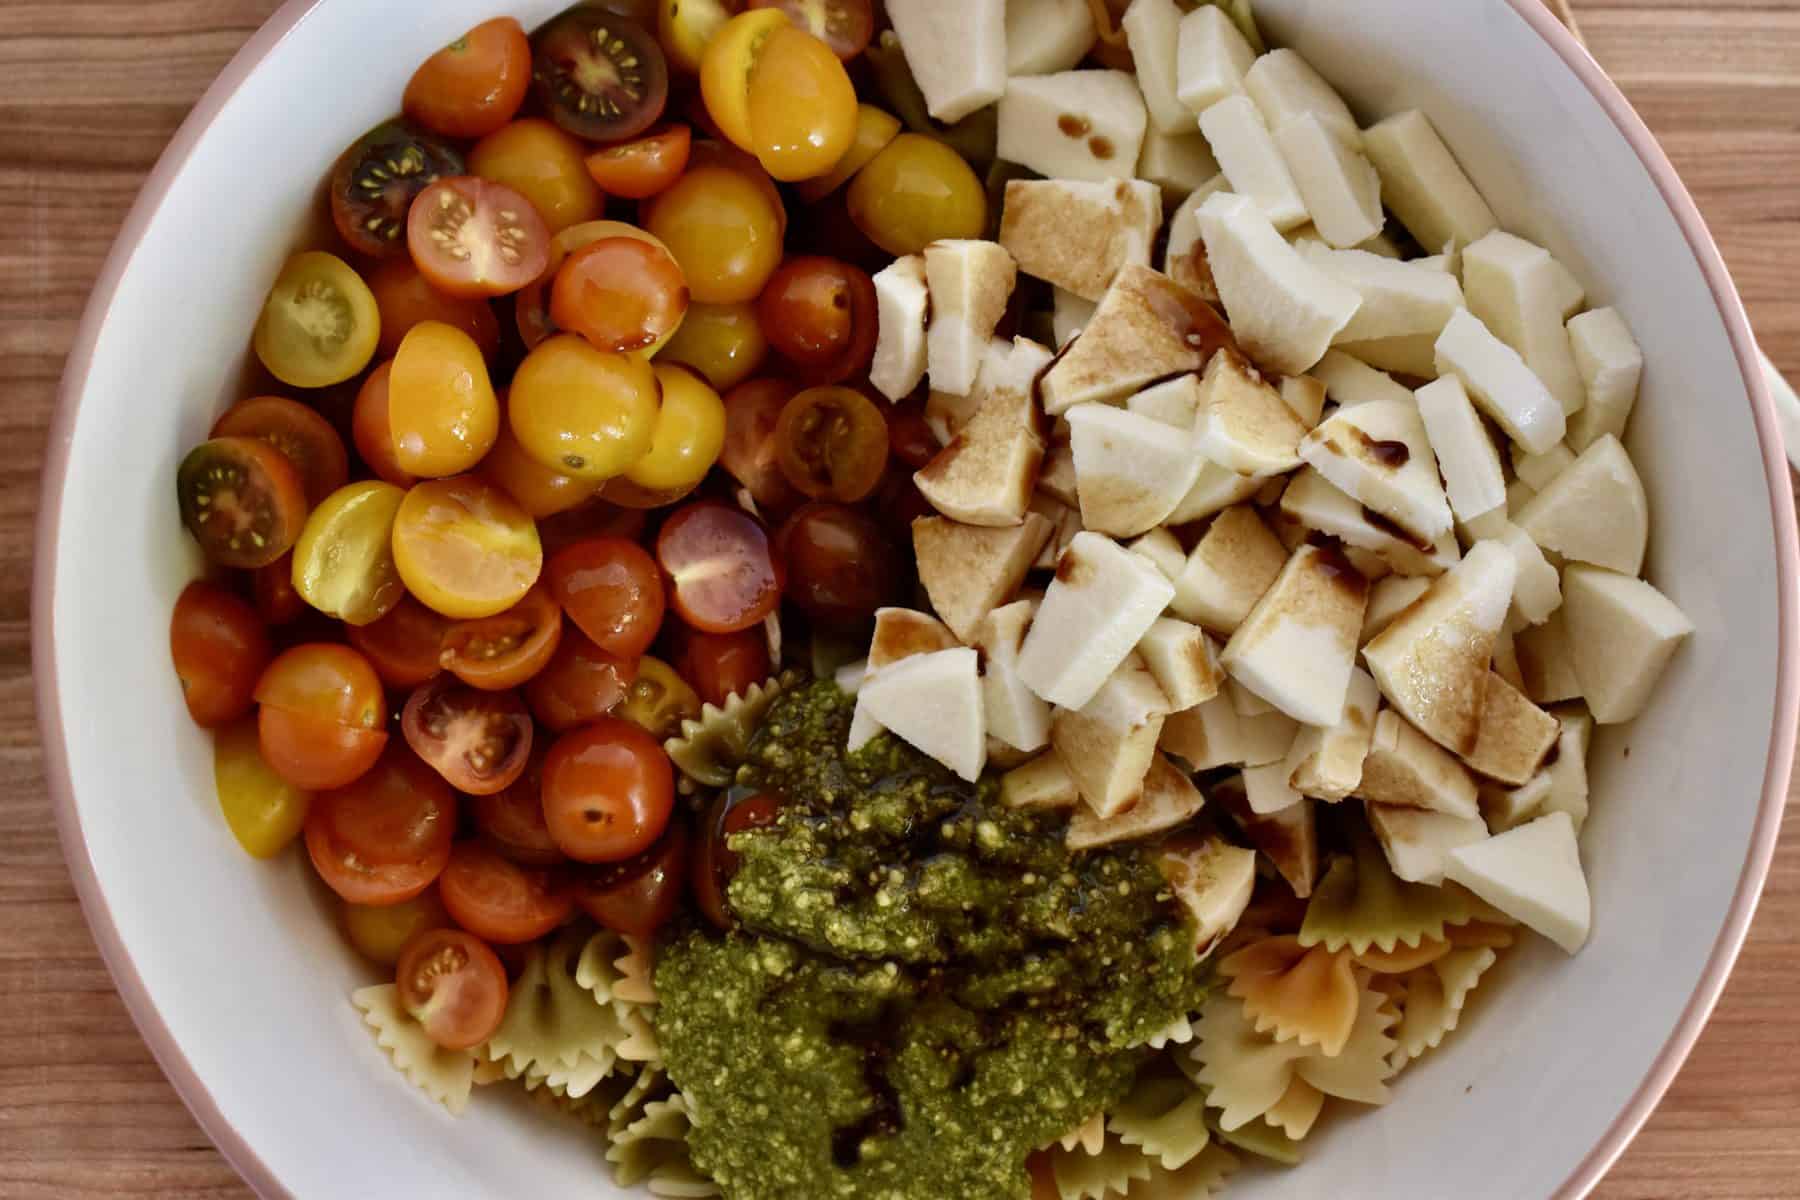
385,837
299,432
474,85
586,412
405,647
722,665
844,25
801,105
344,561
370,429
581,683
914,192
832,443
722,227
272,586
909,436
375,181
611,589
506,650
750,454
714,860
725,576
406,298
620,294
684,27
725,71
639,169
512,819
608,791
442,411
840,568
464,548
264,811
596,518
242,499
380,932
532,305
497,899
623,492
543,164
721,341
473,237
819,314
538,490
599,75
690,431
639,896
454,985
321,715
220,649
659,700
319,325
875,128
478,741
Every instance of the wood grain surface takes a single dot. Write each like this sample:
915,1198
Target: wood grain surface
93,90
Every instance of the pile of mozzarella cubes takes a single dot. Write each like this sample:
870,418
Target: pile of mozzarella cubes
1377,540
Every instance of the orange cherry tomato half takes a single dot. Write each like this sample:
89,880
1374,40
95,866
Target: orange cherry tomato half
640,895
477,740
581,683
374,183
384,838
243,501
495,898
472,237
801,106
750,454
464,548
639,169
620,294
608,791
277,603
819,314
512,819
504,651
321,715
543,164
719,559
300,433
405,646
220,649
722,665
405,298
611,589
832,444
373,432
454,985
844,25
474,85
538,490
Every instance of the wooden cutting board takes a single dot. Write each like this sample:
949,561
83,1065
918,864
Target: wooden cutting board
95,88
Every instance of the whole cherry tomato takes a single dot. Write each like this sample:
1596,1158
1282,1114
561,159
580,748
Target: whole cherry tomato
608,791
220,649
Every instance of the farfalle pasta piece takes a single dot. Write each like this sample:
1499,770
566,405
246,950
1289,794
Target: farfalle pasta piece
709,750
1258,1137
1361,1071
1178,1032
636,971
1244,1072
655,1143
1087,1137
1361,903
650,1083
1297,1110
1164,1116
1482,932
1433,1004
597,966
1200,1179
1295,992
1402,959
1083,1176
680,1179
556,1031
447,1076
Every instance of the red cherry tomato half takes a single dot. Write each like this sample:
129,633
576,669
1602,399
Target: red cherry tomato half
474,85
512,819
640,895
387,836
454,985
220,649
832,444
243,501
722,665
840,567
725,576
404,646
714,860
473,237
639,169
277,603
608,791
620,293
497,899
505,651
304,437
376,180
750,454
321,718
580,683
478,741
819,314
611,589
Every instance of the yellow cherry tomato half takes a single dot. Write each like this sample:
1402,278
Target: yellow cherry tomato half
545,165
380,931
801,106
725,70
264,811
465,549
442,413
344,560
581,411
539,490
659,700
914,192
690,430
875,128
724,342
684,27
320,323
723,230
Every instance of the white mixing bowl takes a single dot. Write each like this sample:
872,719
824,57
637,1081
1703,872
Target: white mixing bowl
240,982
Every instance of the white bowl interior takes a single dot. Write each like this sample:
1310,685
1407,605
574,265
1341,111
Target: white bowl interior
251,977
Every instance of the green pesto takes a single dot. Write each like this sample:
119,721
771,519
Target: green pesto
926,987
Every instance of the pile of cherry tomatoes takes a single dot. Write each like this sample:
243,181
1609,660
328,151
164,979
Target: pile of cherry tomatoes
475,563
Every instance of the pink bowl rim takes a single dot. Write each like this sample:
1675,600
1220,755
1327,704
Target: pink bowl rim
243,1157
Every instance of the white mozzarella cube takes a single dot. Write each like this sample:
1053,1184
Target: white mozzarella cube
1041,783
1266,788
1349,381
1418,844
1251,160
1103,108
1305,397
899,633
1546,666
1422,183
1286,87
1595,511
1499,381
1211,58
1206,736
1228,571
970,570
1241,422
986,474
1129,697
1399,298
1316,503
1184,258
1622,633
1213,880
1472,476
1515,734
1215,489
1174,401
1098,607
1387,598
1184,662
1412,354
933,703
1297,647
1406,769
1015,714
1047,35
1129,473
1567,769
1169,798
1532,874
1536,590
900,307
1152,30
1339,187
956,51
1164,551
1108,762
1326,762
1514,286
1178,163
1610,364
1537,470
970,282
1146,328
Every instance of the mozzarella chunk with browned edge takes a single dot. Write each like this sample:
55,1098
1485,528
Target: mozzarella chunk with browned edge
1129,697
1246,702
1532,874
1211,58
900,305
1184,662
1152,30
1610,363
1513,286
1349,381
1283,310
1041,783
1047,35
1076,234
1206,736
933,703
1105,106
1297,647
1473,480
1169,799
899,633
1184,258
1178,163
970,282
1317,504
1174,401
1594,512
1289,838
1418,844
1068,316
987,473
1213,880
1407,769
1340,189
1015,714
1432,660
1514,737
1229,569
1499,381
1326,761
1108,762
1241,422
1622,633
1422,183
1380,454
968,570
1398,298
1100,604
1568,771
1146,328
1388,598
1504,808
1266,789
1129,473
956,51
1252,162
1305,397
1285,87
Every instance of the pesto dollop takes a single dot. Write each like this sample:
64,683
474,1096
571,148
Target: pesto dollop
926,986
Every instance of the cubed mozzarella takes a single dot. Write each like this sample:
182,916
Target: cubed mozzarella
1418,844
1228,570
1183,660
1318,504
1047,35
968,571
1069,315
1108,762
1041,783
956,51
1104,108
1184,258
1242,422
1152,32
1422,183
1388,598
1398,298
1251,161
1297,647
1621,634
899,633
970,282
1513,286
1412,354
1169,799
1546,665
933,703
1610,364
1206,736
901,301
1380,454
1595,511
1326,761
1015,714
1211,58
1514,737
1147,327
1129,473
1305,397
987,474
1349,381
1267,791
1532,874
1216,489
1536,590
1499,381
1537,470
1339,187
1178,163
1567,770
1174,402
1164,551
1076,234
1100,604
1286,87
1472,477
1406,769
